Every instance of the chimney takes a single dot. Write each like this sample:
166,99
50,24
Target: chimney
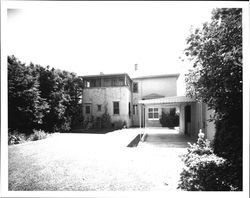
136,67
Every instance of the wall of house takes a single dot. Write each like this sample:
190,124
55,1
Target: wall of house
161,108
199,120
105,96
182,118
165,86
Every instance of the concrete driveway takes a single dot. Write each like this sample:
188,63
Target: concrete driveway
163,137
95,162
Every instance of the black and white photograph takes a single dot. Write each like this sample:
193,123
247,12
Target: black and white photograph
124,98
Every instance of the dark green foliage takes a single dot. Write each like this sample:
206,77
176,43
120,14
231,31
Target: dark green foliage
106,120
77,117
119,124
216,51
228,144
204,170
169,120
216,79
26,108
37,135
41,98
62,89
14,137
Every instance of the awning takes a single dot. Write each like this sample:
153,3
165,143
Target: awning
167,100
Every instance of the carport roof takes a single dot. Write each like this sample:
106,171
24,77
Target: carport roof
167,100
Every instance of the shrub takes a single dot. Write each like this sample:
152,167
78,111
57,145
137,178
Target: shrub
205,171
14,137
119,124
105,120
169,120
37,135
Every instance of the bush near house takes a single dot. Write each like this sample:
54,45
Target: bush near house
120,124
169,120
204,170
106,120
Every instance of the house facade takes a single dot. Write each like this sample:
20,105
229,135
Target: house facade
141,101
110,94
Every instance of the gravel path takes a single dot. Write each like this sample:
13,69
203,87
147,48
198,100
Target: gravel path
93,162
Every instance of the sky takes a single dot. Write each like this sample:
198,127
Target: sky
108,37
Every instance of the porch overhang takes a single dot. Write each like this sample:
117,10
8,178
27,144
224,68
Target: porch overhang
167,100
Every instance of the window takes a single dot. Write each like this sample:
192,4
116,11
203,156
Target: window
116,107
135,87
135,110
117,82
99,107
87,109
87,84
95,83
129,109
107,82
153,113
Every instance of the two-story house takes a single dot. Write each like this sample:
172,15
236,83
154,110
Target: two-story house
140,102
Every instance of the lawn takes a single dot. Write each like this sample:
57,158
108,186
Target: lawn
93,162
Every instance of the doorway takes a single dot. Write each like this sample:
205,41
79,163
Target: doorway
187,119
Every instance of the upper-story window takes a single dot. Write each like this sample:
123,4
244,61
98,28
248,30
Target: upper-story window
107,82
135,87
117,82
95,83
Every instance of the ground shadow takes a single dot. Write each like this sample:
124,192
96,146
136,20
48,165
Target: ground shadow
135,141
94,131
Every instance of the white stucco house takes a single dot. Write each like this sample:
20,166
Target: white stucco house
140,101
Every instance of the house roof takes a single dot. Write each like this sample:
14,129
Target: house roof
167,100
156,76
152,96
105,76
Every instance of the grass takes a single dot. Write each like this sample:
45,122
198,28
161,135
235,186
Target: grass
92,162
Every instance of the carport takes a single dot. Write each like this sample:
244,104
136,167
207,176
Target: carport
191,113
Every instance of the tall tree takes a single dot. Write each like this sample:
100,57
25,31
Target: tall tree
216,79
26,108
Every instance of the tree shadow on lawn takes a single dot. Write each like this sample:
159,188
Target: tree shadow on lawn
94,131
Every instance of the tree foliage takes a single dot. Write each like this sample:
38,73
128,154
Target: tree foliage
216,50
41,98
216,79
26,108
